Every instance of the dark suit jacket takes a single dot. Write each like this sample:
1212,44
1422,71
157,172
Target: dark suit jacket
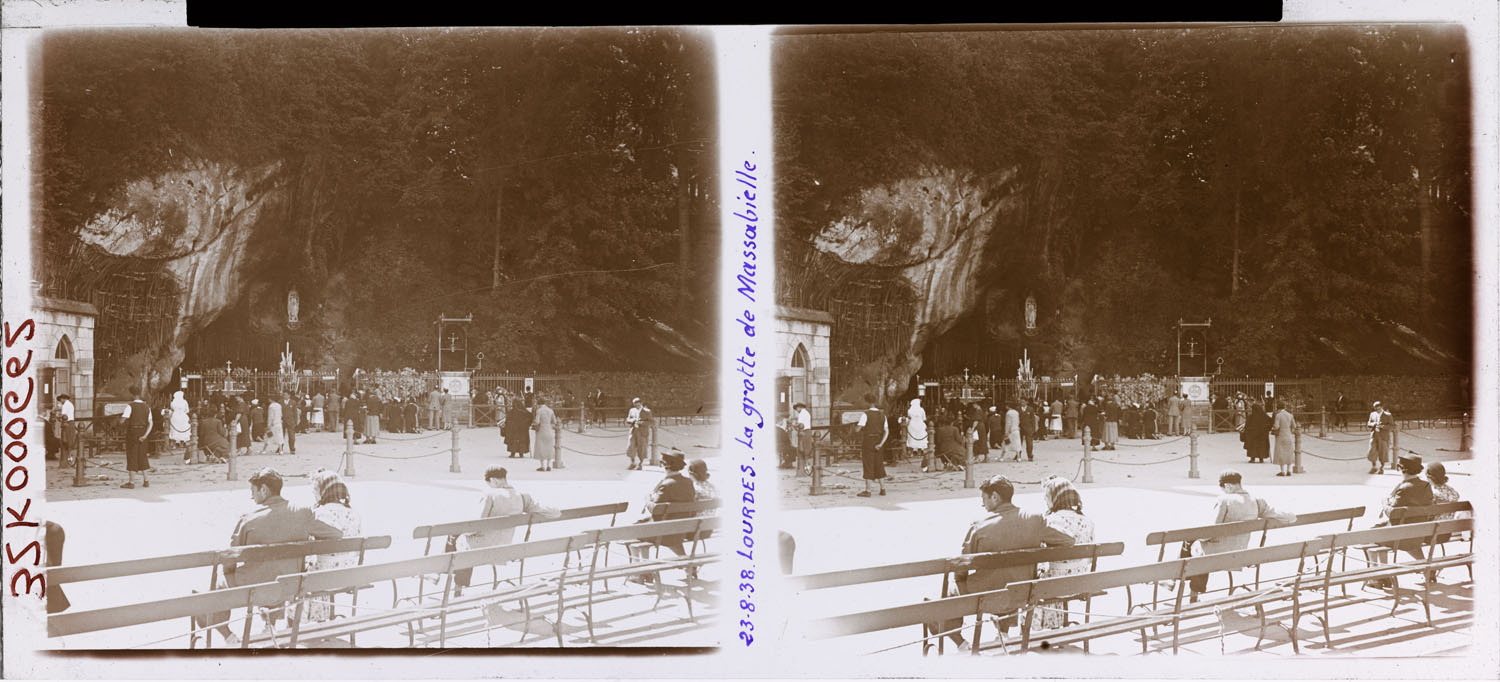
1008,529
276,521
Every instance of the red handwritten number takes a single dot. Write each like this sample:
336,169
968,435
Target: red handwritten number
14,367
16,558
28,326
10,395
30,580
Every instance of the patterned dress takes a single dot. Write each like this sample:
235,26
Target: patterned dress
1082,530
344,519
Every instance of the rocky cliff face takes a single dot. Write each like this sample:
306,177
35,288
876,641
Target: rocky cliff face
931,228
196,223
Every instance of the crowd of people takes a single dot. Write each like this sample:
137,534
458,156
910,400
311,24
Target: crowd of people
946,437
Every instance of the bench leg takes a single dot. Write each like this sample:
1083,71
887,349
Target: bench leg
557,627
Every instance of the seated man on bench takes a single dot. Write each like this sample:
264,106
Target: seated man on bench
1006,528
1412,491
499,499
275,521
1234,504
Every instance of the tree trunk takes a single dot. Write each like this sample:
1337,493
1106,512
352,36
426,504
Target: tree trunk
1234,263
684,244
499,203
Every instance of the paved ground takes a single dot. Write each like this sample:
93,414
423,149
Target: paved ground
1135,490
401,482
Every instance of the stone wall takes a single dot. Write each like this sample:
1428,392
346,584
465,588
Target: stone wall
813,335
54,321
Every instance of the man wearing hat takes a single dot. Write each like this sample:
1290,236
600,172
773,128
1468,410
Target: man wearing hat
1412,491
675,488
639,420
1380,423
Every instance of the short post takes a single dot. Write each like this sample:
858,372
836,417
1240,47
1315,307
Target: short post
557,432
453,466
968,465
79,455
194,454
1088,456
1395,442
1463,434
655,456
1322,424
1211,414
1192,451
583,415
349,447
817,471
1297,451
232,474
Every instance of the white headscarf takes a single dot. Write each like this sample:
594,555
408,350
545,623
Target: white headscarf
179,403
916,425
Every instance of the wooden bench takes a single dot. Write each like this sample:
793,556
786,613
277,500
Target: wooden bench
680,510
1164,539
356,577
495,523
694,528
62,575
447,563
1427,534
191,606
882,619
1398,515
947,566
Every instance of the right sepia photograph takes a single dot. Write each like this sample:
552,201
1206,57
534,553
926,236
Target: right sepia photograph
1127,341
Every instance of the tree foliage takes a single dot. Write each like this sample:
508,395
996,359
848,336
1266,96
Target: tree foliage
410,160
1332,156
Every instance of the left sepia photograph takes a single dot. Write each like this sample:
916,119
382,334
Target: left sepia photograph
376,338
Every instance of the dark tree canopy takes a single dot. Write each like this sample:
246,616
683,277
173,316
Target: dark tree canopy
545,181
1336,158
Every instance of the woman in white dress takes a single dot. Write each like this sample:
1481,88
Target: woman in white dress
179,426
1064,513
331,507
916,432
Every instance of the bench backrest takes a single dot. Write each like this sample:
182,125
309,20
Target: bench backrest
514,521
1427,512
646,531
680,508
440,530
934,611
1409,531
913,569
1262,526
116,569
263,594
336,579
1016,594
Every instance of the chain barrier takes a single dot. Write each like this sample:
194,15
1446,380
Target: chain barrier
591,454
1413,435
586,435
1333,459
1337,440
1140,463
388,435
1152,445
430,454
